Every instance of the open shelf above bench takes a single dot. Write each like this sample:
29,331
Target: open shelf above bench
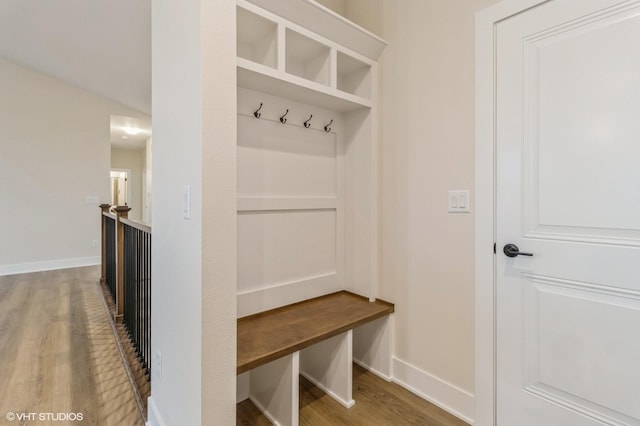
353,76
307,58
257,39
279,57
326,23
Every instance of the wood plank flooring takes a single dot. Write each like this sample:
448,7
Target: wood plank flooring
58,353
378,403
137,374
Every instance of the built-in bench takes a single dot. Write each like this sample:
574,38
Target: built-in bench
314,338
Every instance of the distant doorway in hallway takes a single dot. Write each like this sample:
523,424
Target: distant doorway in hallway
119,182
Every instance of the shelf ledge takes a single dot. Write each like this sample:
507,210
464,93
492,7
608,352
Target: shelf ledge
267,80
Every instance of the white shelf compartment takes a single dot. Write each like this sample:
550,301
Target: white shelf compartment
307,58
326,23
298,64
257,38
353,76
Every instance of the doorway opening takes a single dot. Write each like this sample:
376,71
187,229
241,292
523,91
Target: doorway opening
119,183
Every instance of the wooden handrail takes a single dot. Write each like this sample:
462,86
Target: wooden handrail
109,214
137,225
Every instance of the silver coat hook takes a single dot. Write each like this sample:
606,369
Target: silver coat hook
307,123
257,113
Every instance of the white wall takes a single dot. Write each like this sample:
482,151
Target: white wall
194,267
147,197
54,152
427,148
133,160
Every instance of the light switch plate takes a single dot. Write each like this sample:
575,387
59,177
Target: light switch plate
186,202
157,365
459,201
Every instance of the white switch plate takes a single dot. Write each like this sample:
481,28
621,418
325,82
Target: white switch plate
459,201
157,365
92,199
186,202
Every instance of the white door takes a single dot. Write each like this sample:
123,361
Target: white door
568,191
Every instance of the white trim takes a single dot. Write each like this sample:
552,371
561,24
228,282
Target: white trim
127,179
274,296
435,390
485,401
258,204
332,394
372,370
49,265
264,411
153,416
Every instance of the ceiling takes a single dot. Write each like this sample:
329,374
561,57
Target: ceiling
129,133
103,46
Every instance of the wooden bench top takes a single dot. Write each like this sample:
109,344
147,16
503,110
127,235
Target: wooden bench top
269,335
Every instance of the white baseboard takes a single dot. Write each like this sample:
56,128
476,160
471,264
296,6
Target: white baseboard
372,370
449,397
332,394
153,416
49,265
264,411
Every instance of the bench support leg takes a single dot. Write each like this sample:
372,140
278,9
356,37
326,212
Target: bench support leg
242,387
274,389
372,343
329,365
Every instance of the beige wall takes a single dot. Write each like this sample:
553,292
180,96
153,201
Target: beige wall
366,13
54,152
133,160
338,6
426,96
427,148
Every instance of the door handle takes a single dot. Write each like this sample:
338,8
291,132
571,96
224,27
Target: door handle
512,250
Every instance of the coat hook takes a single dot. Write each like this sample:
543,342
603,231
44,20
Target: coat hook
327,128
282,118
257,113
307,123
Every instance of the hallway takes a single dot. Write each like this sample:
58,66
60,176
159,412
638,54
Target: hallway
58,355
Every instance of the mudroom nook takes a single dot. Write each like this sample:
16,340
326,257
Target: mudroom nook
306,207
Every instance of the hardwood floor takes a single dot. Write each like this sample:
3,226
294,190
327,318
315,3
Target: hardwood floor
377,403
137,374
58,353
